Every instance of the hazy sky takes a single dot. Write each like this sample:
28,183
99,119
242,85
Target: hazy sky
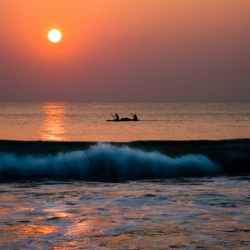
125,50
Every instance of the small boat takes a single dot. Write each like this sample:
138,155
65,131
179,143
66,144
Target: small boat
123,120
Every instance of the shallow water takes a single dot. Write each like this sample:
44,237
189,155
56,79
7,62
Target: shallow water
183,213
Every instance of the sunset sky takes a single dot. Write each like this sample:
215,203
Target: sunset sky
125,50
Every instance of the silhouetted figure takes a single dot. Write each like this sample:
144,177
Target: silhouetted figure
134,117
115,117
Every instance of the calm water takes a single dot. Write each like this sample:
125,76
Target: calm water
159,121
130,195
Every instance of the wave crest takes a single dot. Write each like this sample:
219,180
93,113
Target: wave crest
105,160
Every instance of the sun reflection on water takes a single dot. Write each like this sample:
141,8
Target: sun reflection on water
53,126
34,229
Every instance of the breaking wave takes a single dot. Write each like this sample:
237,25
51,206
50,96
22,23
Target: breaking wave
105,160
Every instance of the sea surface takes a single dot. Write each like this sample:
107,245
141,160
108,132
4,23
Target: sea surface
158,121
179,178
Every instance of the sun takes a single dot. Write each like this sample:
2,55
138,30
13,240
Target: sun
54,36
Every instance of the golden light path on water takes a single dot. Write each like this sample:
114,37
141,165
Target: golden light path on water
53,125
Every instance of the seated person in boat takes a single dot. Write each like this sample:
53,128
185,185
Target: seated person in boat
134,117
115,117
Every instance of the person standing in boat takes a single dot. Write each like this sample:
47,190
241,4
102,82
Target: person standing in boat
134,117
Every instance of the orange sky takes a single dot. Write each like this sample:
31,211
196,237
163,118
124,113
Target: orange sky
125,50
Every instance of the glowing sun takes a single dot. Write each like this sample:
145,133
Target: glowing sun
54,36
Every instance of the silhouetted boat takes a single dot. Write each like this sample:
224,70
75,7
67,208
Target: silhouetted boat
123,120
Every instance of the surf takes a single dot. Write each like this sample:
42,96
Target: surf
105,160
133,160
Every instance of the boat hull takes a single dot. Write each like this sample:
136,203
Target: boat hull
122,120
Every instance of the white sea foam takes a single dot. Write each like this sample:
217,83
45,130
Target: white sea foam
105,160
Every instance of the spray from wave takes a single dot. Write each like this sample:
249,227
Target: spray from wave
105,160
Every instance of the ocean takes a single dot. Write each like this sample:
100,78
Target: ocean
176,179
